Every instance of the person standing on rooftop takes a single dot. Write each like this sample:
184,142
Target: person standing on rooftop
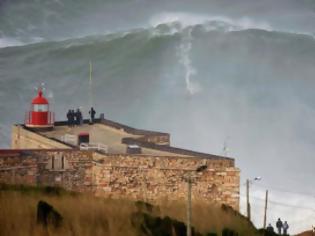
69,117
92,113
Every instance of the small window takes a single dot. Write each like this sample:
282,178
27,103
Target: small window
62,162
53,162
40,107
57,163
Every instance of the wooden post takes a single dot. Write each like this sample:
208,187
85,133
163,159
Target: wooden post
247,199
265,213
189,181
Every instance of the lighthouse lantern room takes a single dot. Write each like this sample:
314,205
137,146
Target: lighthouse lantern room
39,115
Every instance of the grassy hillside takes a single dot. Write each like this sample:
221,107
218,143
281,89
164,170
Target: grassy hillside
87,215
306,233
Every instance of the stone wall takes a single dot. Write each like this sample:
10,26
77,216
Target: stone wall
66,168
142,177
71,169
18,168
156,178
23,138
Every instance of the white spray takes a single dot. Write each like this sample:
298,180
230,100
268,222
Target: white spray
184,49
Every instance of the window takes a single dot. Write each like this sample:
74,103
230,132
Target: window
53,162
62,162
40,107
57,162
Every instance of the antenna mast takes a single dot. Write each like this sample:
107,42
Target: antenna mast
90,85
225,149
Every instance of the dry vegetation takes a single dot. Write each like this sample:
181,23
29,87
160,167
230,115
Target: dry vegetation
88,215
307,233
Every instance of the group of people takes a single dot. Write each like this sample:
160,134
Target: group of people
76,117
280,226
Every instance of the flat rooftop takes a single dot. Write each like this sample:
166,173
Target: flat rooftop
116,138
98,134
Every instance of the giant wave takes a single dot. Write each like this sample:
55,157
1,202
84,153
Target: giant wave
173,56
208,79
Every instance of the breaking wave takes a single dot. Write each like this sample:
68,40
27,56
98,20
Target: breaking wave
209,77
189,56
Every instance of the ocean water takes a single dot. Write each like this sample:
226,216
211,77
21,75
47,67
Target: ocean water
224,78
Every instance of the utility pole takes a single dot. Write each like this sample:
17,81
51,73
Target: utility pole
266,205
189,182
247,199
189,179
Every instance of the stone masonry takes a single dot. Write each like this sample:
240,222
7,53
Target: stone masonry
139,177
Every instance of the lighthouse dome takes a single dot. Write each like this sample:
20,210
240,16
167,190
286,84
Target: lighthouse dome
39,116
40,99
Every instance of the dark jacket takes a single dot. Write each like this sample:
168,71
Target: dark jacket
279,224
270,228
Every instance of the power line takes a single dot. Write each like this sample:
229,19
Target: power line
284,204
292,206
302,220
285,190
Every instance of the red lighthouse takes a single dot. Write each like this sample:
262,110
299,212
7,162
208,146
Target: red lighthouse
39,116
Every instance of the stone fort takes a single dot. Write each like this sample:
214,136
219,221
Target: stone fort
110,159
